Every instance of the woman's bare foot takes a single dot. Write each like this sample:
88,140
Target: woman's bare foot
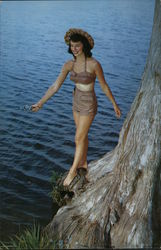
69,178
83,170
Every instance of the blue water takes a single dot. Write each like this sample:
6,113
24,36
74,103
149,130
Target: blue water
32,52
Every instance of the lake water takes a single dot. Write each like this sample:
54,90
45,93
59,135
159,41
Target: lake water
32,52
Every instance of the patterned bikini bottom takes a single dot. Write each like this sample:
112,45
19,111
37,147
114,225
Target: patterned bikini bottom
84,102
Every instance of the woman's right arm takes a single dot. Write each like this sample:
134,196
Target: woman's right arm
54,87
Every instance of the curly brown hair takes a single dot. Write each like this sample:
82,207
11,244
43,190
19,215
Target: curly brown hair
86,46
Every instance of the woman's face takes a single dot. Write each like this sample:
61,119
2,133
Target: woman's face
76,48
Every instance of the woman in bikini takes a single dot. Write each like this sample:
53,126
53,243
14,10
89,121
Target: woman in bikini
83,71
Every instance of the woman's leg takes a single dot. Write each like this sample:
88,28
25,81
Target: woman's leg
83,162
81,136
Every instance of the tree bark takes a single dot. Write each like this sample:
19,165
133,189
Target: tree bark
118,207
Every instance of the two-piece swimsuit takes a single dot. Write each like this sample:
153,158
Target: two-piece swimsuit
84,102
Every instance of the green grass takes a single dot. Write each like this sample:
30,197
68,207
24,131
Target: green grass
57,192
32,238
55,176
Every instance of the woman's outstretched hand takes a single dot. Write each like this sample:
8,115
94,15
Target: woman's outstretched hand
117,111
36,107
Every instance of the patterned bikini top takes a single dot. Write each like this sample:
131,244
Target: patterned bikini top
83,77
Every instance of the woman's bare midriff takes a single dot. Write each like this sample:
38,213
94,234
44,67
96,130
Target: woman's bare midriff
85,87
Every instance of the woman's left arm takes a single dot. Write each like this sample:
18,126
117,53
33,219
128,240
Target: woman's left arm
100,75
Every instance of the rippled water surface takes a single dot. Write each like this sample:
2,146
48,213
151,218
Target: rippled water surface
32,52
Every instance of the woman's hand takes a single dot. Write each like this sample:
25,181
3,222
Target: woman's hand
36,107
117,110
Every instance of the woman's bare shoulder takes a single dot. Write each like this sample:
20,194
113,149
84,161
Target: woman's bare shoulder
94,62
68,65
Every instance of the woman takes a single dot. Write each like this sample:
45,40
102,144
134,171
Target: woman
84,70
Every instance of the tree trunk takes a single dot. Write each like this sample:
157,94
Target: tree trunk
118,206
